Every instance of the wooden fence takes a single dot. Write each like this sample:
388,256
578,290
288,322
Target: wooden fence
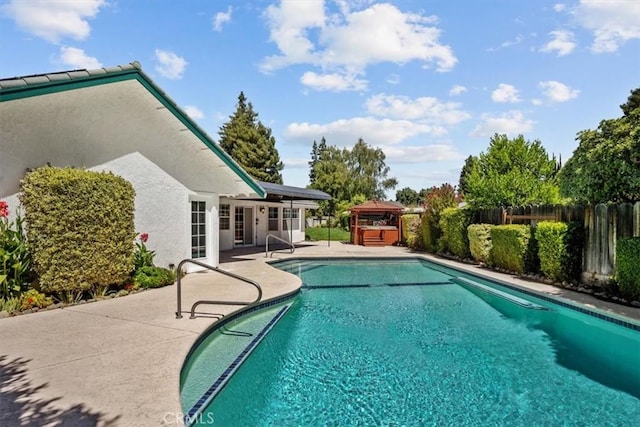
603,226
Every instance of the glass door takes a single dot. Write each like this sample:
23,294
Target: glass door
243,235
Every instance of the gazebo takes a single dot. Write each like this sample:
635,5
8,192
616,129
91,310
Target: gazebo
376,223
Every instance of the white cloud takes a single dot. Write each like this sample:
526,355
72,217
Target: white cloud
375,132
170,65
557,92
393,79
426,109
222,18
421,153
612,22
332,81
193,112
53,20
562,43
511,123
76,58
519,39
349,41
457,90
559,7
289,24
505,93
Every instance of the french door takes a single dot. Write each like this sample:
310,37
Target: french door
243,235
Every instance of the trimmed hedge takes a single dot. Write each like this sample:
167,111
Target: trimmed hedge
80,228
552,250
410,226
479,236
510,246
429,233
574,242
454,239
627,271
560,249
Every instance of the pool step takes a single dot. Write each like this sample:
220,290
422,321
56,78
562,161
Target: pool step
504,295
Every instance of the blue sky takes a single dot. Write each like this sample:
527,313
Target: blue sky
428,82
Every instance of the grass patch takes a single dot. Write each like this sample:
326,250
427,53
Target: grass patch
322,233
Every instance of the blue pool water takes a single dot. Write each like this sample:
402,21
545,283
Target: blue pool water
402,343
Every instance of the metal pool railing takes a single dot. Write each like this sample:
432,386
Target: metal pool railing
212,302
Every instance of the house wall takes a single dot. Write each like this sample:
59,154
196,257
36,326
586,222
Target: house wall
161,207
261,230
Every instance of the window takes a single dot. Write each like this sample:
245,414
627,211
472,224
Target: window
273,219
291,216
225,217
198,230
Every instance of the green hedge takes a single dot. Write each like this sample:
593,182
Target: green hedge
627,271
551,248
80,228
429,233
454,239
510,246
410,226
479,236
574,242
560,249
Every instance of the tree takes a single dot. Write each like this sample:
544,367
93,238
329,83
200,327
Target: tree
513,172
369,171
251,144
316,153
466,170
605,167
408,197
346,173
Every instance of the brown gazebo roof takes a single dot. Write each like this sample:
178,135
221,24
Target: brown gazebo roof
377,206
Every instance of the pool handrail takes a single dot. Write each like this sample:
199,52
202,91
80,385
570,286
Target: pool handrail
218,270
291,245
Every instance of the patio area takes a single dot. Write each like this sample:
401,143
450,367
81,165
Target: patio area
117,362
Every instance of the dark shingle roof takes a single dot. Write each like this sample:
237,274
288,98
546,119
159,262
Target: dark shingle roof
295,193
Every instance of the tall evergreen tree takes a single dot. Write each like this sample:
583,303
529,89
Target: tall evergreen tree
316,156
251,144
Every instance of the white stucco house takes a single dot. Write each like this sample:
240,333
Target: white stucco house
191,198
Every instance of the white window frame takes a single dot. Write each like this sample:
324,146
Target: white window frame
274,222
224,217
291,216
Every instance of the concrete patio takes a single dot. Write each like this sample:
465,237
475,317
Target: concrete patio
117,362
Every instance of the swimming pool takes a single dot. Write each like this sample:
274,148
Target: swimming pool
409,342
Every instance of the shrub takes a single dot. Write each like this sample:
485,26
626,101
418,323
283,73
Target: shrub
552,250
510,246
33,298
80,228
154,277
429,233
410,225
480,242
574,242
142,257
454,239
15,257
627,271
